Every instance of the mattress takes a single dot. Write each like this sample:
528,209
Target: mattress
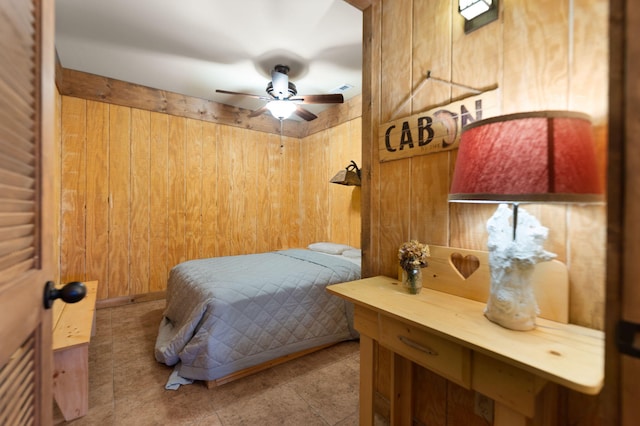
230,313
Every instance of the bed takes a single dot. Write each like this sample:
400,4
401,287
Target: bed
228,316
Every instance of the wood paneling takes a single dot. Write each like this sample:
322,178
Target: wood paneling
176,198
460,404
396,50
430,51
430,186
142,191
315,190
587,67
193,188
620,58
209,193
430,406
291,219
344,223
587,273
630,294
264,162
140,200
539,76
73,189
158,200
56,185
355,202
395,212
371,58
237,204
119,183
97,178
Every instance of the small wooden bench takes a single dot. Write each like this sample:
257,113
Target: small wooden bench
73,326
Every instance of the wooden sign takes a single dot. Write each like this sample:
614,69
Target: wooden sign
435,130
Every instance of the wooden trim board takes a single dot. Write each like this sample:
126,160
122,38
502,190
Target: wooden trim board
551,279
73,326
128,300
260,367
73,322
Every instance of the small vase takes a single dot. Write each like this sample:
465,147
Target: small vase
412,280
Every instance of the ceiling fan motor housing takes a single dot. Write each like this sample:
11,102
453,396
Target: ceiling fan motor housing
292,90
280,87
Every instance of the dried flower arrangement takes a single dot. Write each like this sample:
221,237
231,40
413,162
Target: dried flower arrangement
413,254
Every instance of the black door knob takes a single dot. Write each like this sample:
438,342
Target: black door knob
71,293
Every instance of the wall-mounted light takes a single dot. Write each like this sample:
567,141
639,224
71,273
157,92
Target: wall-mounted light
534,157
281,109
477,13
349,176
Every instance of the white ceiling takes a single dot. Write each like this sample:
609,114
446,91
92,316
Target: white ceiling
194,47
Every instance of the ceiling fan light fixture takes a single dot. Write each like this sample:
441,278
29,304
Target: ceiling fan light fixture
282,100
281,109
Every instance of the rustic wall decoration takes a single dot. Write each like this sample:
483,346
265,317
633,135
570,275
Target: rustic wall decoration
435,130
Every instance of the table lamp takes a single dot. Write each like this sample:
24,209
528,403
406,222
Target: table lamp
531,157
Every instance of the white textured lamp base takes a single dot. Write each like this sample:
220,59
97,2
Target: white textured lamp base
512,302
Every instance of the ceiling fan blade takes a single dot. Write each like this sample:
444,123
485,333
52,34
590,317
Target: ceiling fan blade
304,114
331,98
227,92
259,111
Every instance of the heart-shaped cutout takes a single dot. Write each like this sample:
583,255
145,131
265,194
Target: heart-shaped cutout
465,265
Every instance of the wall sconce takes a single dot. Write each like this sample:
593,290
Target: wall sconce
477,13
349,176
537,157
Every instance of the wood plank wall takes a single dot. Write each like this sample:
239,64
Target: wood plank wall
141,191
542,55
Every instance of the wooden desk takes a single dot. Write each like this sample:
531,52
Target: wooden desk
450,336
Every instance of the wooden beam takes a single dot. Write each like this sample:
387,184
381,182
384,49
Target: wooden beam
103,89
58,72
335,115
359,4
619,28
370,104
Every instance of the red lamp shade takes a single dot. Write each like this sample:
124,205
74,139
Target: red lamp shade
544,156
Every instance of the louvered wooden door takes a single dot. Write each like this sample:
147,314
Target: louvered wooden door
26,132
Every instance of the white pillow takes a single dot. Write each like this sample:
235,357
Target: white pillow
352,253
329,248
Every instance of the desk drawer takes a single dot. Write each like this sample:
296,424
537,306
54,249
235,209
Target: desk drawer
441,356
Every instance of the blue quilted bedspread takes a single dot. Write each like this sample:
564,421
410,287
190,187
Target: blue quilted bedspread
229,313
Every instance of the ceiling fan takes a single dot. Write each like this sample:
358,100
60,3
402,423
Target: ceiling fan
283,97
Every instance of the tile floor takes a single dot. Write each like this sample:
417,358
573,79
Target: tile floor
127,384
